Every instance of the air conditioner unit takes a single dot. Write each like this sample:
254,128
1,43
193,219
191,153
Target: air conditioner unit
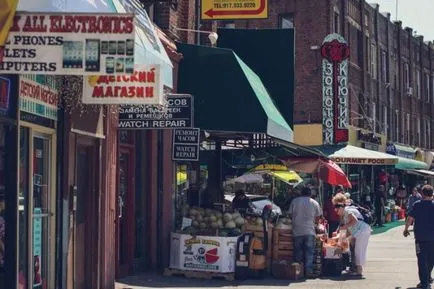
409,91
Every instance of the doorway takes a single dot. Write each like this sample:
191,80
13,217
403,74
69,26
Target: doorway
85,208
125,224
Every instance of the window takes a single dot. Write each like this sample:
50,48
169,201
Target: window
336,26
373,67
427,86
396,124
384,66
418,136
418,88
286,21
406,77
385,125
428,134
374,117
407,129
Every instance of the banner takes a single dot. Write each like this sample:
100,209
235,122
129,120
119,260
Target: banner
70,44
143,86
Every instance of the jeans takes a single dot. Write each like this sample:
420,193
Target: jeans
425,261
304,247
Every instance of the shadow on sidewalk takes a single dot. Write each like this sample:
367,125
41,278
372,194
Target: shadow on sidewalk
151,280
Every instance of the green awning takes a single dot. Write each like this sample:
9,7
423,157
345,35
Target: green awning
409,164
228,95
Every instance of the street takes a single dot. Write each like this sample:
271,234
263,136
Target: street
391,264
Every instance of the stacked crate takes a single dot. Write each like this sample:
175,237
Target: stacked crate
258,231
317,257
283,248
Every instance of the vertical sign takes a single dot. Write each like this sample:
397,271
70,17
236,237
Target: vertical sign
37,247
186,144
335,52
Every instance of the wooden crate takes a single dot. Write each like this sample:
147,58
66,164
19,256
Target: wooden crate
283,246
258,231
198,274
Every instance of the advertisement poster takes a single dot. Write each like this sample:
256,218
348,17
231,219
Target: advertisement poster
38,95
203,253
37,247
70,44
142,86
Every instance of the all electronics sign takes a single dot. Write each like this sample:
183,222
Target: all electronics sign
70,44
335,52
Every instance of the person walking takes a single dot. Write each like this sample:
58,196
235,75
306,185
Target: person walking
304,212
359,231
380,201
414,197
422,216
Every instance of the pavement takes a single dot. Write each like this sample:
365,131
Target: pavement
391,265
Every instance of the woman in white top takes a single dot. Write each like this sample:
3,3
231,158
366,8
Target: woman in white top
357,228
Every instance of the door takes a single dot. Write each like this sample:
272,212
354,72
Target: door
86,208
125,223
37,210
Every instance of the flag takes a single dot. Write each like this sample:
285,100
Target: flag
7,13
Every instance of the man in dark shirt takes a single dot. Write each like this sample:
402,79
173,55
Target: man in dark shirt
380,200
423,215
241,202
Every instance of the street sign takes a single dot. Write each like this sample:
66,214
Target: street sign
178,114
234,9
186,144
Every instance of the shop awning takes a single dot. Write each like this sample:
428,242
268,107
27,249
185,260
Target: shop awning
228,95
148,49
409,164
425,173
352,155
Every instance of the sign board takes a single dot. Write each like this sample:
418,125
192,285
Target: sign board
364,161
70,44
5,92
186,143
335,52
234,9
143,86
177,114
203,253
38,95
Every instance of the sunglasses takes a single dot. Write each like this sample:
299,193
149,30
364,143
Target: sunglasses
337,206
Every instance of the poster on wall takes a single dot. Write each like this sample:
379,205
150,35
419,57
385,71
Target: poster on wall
37,247
39,96
70,44
143,86
335,52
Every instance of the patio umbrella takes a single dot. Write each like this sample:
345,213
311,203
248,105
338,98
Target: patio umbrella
280,172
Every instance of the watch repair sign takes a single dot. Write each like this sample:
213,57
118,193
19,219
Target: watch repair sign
69,44
335,52
234,9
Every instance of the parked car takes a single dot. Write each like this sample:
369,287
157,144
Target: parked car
259,202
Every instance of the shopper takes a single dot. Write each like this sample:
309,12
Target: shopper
331,216
414,197
305,213
422,214
241,202
380,201
356,228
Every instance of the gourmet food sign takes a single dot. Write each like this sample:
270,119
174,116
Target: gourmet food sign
143,86
69,44
335,53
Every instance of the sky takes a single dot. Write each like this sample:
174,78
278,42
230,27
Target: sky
416,14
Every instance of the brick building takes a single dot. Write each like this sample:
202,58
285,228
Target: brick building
391,72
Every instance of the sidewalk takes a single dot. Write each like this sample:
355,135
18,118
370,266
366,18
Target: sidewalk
391,265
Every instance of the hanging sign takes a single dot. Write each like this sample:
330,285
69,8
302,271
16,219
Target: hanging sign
69,44
234,9
177,114
38,95
186,143
143,86
335,52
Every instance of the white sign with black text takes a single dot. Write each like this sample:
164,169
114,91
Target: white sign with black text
186,143
70,44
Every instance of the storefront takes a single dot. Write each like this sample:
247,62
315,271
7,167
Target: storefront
8,180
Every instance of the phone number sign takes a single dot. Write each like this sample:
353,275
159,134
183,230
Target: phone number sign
234,9
178,114
70,44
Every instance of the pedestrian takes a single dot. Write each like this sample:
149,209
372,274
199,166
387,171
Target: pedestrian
355,227
305,213
331,216
414,197
380,201
422,216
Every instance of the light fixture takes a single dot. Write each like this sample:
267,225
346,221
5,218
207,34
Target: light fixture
212,36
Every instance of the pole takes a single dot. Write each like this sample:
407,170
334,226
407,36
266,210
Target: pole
197,24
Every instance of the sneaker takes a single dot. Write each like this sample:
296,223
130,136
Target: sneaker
424,287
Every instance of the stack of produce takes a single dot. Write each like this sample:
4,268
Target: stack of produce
205,219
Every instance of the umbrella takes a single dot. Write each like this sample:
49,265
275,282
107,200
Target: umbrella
328,170
278,171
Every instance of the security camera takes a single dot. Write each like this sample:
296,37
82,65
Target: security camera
213,38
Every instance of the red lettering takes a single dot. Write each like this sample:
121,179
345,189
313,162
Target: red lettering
149,92
15,25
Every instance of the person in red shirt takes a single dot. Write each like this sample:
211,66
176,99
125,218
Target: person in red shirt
331,216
